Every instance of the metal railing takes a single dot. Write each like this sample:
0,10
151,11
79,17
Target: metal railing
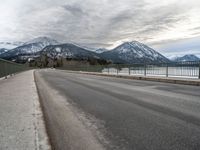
9,68
179,69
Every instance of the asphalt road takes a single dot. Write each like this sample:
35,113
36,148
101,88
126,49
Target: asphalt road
133,114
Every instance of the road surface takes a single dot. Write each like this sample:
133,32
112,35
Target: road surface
131,114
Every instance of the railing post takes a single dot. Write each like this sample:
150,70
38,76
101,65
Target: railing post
199,69
145,69
167,69
117,69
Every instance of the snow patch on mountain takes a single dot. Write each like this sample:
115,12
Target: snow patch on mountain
189,57
3,50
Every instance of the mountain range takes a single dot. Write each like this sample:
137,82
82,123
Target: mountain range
128,52
68,50
184,58
27,49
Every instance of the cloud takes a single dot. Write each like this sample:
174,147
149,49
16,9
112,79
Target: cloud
180,47
102,23
75,10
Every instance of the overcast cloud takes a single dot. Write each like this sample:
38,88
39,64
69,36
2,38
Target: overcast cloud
105,23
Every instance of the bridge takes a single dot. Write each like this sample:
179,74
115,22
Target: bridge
187,69
62,109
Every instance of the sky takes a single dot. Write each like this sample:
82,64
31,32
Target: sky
172,27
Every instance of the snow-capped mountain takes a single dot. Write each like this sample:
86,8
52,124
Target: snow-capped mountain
134,52
68,51
3,50
190,57
23,50
128,52
28,49
10,45
101,50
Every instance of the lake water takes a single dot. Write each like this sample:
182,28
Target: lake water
184,72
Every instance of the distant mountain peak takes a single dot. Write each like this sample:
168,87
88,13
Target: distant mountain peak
131,43
135,47
134,52
188,57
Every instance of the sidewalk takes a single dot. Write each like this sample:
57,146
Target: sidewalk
21,119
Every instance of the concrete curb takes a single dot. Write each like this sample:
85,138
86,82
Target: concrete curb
155,79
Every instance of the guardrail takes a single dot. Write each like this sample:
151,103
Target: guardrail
9,68
178,69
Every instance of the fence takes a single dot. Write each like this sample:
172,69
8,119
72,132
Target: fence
9,68
181,69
